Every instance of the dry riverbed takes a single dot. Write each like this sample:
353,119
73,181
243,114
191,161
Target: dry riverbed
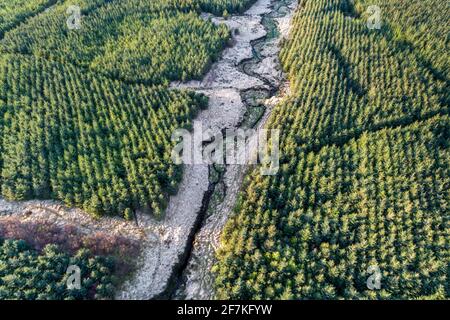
196,281
178,251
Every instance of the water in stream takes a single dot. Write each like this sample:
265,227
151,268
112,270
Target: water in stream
196,280
242,87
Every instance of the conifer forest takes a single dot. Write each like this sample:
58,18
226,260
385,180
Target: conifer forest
96,97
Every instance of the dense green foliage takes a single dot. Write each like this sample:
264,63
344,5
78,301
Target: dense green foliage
364,177
378,200
92,142
422,26
12,12
219,7
29,275
150,41
351,80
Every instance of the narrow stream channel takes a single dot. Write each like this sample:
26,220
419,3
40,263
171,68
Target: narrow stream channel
195,280
242,87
